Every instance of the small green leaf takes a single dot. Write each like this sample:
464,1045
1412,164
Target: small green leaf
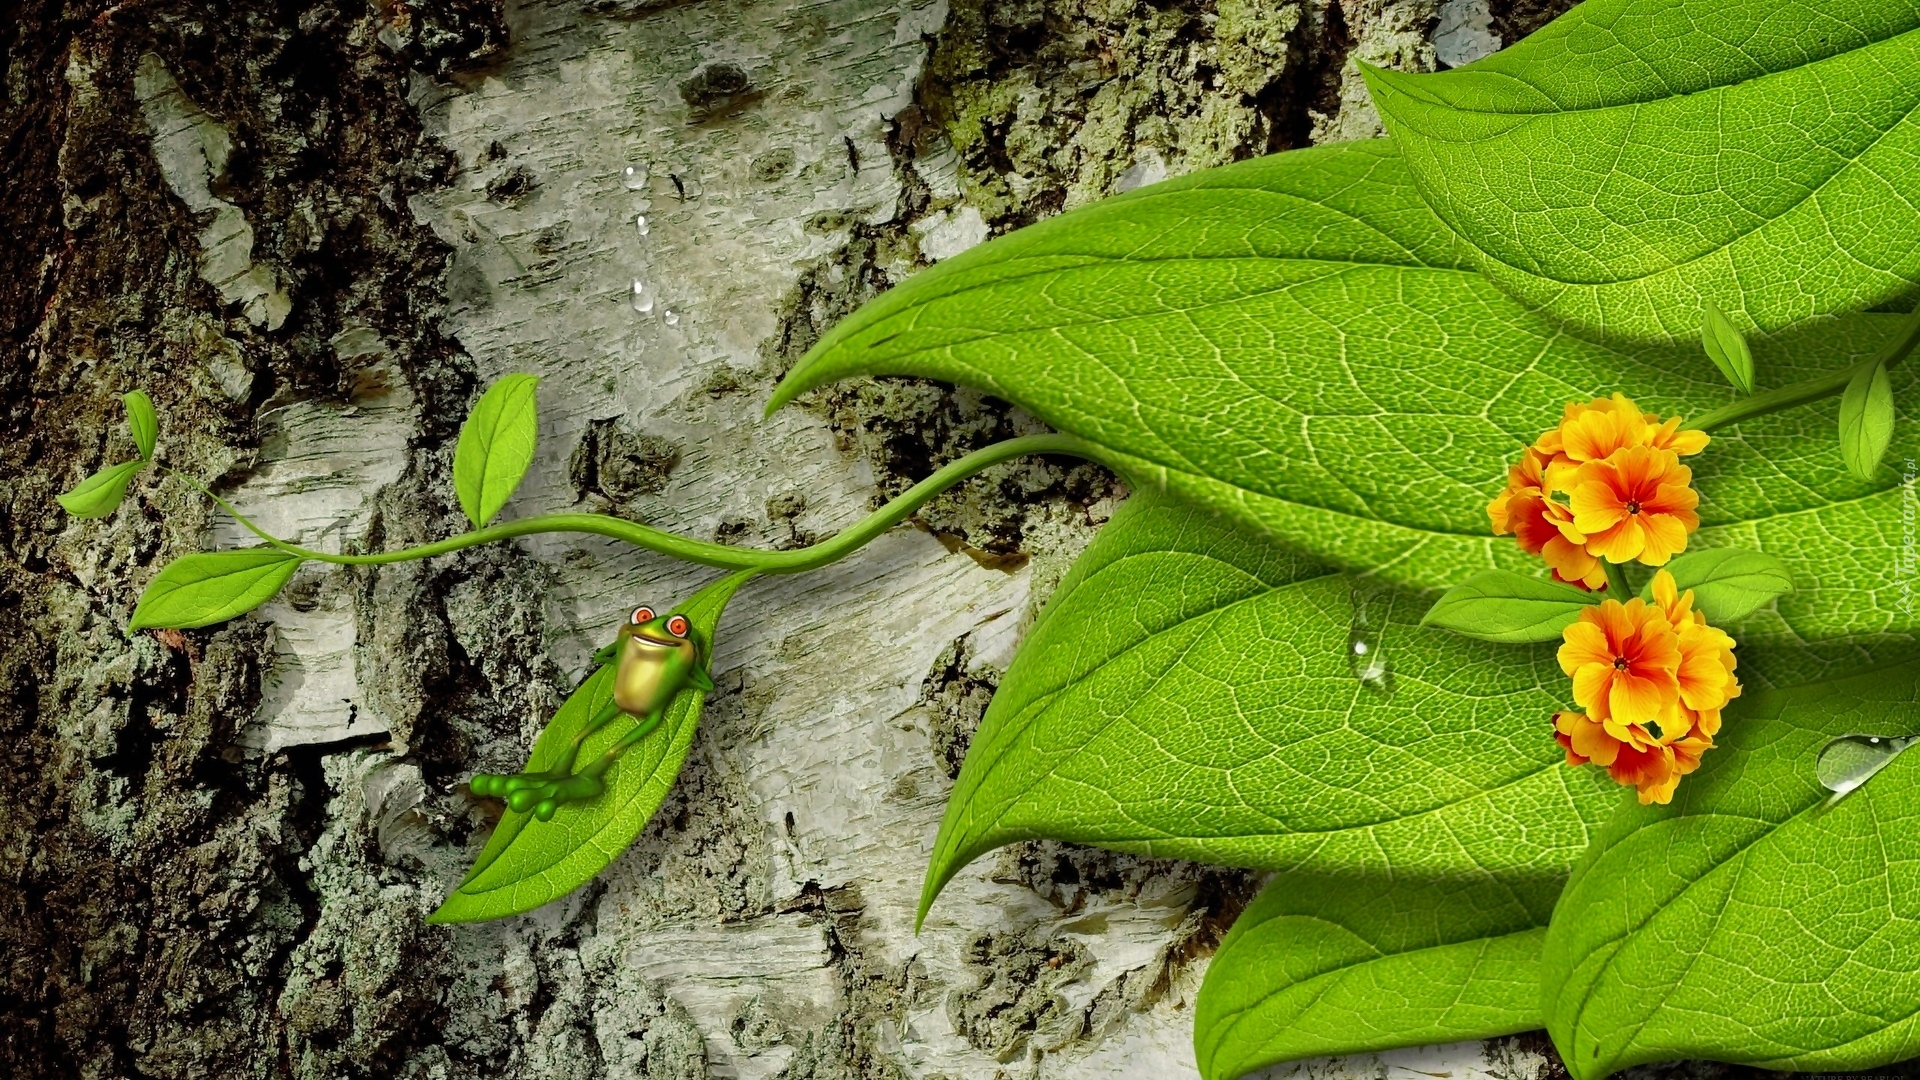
1321,965
211,587
1727,347
142,421
100,494
1728,583
1500,605
1866,420
526,862
496,446
1747,922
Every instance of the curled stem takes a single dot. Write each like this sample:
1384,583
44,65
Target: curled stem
1895,350
812,557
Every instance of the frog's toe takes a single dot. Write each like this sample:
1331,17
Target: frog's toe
540,793
578,788
521,800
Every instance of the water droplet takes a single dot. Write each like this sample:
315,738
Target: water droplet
1366,651
643,226
634,176
641,297
1851,760
671,318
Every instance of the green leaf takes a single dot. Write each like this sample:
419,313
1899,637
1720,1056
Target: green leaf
1187,694
1866,420
527,863
1636,157
142,421
1747,922
1500,605
100,494
1728,583
211,587
1295,342
1323,965
496,446
1727,347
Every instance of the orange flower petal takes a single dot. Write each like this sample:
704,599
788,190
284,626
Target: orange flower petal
1585,643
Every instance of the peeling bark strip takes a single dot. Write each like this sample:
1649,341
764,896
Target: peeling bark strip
311,231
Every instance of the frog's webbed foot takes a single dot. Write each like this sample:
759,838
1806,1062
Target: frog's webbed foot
542,793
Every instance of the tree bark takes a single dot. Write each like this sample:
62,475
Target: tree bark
313,231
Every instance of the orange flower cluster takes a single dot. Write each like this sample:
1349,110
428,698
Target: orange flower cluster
1626,495
1652,679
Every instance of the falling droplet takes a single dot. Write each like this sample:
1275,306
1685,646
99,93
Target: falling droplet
642,297
642,225
634,176
671,318
1366,651
1851,760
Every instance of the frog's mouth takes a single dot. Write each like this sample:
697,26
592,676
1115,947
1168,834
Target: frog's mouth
651,642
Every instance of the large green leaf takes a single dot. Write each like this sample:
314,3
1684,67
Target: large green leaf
1637,157
1748,921
1323,964
527,863
1187,693
1297,342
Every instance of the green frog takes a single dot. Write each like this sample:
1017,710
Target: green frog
657,656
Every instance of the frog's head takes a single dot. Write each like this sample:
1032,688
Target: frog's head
666,632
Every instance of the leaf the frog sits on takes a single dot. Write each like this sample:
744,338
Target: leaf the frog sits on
658,656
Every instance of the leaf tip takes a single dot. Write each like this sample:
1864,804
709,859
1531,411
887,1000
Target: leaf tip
1726,346
142,420
792,386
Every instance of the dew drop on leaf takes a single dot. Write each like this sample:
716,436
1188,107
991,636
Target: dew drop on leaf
671,318
634,176
1851,760
640,224
1366,650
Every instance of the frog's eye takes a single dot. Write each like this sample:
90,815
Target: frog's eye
642,614
678,626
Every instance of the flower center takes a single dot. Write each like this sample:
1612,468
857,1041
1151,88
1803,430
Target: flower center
1633,506
1619,663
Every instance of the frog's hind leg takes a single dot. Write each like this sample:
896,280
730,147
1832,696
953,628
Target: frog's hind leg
544,793
590,781
640,731
527,790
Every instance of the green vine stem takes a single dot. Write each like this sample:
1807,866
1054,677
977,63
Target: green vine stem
863,532
1890,354
1617,585
812,557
